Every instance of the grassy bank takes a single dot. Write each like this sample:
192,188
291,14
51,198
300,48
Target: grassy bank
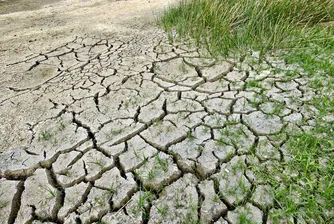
229,25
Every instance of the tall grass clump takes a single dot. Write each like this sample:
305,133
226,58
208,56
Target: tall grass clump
229,25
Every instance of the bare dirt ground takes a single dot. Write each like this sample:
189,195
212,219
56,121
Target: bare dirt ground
9,6
104,121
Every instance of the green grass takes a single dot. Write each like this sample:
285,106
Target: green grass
44,136
304,185
315,55
233,25
309,192
301,32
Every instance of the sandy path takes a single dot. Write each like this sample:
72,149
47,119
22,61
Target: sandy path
9,6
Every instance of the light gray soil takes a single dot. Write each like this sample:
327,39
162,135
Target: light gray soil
101,118
9,6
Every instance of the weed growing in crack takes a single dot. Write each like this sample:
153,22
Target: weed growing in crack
206,129
100,221
100,201
243,219
278,108
114,132
98,162
163,163
52,193
126,104
139,157
162,210
158,123
54,142
221,141
190,135
217,197
254,84
3,204
191,216
143,201
255,103
199,148
232,121
150,174
112,189
44,136
62,126
183,68
240,165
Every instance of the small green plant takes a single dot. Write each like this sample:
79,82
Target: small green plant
150,174
254,83
143,200
116,132
51,192
162,210
112,189
100,201
113,132
44,136
244,220
163,163
62,126
190,135
200,148
3,204
97,162
217,197
183,68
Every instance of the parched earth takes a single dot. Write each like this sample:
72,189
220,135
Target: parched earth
127,127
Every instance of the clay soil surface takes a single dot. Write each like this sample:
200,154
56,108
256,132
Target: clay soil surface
103,120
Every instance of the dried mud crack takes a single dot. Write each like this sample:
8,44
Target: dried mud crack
140,130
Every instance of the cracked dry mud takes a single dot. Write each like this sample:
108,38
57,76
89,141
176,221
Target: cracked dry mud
134,129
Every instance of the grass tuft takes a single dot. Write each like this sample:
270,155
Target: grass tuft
232,25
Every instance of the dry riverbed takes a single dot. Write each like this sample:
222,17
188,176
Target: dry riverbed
103,120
